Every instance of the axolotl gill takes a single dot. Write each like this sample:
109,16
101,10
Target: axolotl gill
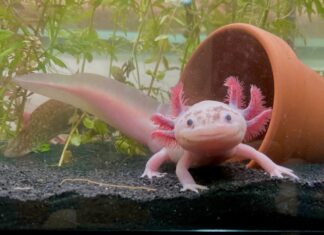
211,132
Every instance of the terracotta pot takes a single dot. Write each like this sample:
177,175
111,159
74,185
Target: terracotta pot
295,92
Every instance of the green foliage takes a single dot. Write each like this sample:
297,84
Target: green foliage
125,145
34,34
42,148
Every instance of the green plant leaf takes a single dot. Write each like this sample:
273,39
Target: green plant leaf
42,148
149,72
96,3
88,123
161,37
87,137
88,56
179,21
100,127
165,63
12,47
76,139
160,75
6,52
5,34
58,61
163,19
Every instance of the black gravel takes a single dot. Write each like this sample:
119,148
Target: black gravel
37,194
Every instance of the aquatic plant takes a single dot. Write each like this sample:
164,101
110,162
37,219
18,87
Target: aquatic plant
34,35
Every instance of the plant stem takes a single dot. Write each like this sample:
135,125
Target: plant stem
265,14
155,71
193,28
134,51
158,62
252,12
75,126
111,55
234,9
23,103
90,27
40,21
67,143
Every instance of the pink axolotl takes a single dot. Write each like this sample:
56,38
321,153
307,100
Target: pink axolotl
125,108
130,111
210,132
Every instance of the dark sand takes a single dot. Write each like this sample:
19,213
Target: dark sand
36,194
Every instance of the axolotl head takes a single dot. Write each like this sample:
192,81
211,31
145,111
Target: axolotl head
210,127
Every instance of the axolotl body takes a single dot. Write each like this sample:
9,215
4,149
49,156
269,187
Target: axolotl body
210,132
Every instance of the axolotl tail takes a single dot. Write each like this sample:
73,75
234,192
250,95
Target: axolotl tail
121,106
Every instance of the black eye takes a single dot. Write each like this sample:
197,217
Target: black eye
189,122
228,117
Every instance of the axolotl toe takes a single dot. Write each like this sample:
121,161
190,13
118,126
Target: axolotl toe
207,133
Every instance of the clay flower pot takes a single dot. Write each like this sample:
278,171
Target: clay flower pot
294,91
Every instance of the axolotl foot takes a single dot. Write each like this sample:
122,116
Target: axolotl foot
193,187
280,171
150,174
273,169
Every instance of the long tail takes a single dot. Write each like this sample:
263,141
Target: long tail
121,106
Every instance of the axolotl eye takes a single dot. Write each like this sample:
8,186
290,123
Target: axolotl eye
228,117
189,122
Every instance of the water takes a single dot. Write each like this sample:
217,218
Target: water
91,178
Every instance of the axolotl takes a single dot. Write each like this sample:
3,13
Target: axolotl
211,132
205,133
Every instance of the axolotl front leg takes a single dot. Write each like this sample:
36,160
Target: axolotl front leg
182,169
244,151
247,152
154,163
184,176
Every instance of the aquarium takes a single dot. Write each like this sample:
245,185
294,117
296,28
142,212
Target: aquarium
162,115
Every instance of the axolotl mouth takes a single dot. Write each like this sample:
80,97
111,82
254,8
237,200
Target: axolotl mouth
214,132
214,138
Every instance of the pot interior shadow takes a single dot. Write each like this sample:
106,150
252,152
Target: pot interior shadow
231,52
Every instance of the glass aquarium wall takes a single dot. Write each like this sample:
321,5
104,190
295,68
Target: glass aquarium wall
91,89
145,44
